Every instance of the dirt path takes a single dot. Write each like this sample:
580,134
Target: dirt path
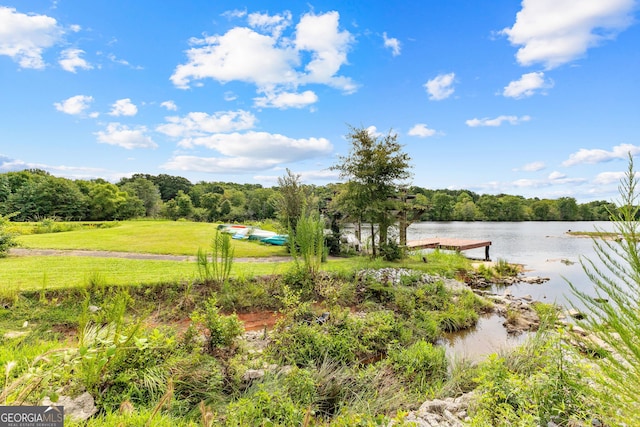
129,255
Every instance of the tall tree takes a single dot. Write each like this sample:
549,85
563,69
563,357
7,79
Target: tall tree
292,200
374,168
146,191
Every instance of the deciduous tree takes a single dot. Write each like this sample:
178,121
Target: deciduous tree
374,169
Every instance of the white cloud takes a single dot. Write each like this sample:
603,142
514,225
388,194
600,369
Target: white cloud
197,124
240,54
599,156
75,105
223,165
555,175
70,60
123,107
514,120
264,145
392,43
529,183
605,178
247,152
270,61
237,13
117,60
284,100
440,87
125,137
555,32
71,172
373,131
533,166
554,179
305,176
273,24
169,105
421,130
25,37
320,35
527,85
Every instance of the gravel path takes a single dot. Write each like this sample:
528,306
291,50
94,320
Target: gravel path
129,255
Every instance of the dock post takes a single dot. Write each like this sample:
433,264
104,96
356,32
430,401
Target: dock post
486,253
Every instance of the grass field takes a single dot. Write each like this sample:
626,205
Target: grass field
154,237
36,272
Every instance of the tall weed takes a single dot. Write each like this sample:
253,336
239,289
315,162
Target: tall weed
216,266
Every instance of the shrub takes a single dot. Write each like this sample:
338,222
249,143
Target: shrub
265,407
221,330
421,364
7,239
308,243
391,251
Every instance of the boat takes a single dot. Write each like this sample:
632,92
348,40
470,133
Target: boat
278,240
259,234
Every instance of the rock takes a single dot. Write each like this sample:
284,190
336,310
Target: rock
576,314
93,308
252,374
78,408
447,412
15,334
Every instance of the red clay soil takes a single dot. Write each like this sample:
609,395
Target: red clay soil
259,320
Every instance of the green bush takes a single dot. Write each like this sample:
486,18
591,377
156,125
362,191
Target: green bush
421,364
262,407
391,251
221,330
7,239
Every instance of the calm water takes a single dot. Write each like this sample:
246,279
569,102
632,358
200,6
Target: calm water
543,248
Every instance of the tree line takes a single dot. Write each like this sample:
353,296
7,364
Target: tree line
33,195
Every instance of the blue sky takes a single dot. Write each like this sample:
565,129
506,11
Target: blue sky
536,98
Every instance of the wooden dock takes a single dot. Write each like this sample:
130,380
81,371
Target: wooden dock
450,244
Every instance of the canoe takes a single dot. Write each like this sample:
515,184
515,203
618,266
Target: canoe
279,240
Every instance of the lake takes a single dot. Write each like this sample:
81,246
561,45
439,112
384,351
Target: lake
543,248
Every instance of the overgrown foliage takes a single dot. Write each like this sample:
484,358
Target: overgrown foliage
614,311
535,384
7,239
307,243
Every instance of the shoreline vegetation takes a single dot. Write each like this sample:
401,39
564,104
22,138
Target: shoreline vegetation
352,343
348,340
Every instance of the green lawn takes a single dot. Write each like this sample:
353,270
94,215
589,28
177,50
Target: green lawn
37,272
155,237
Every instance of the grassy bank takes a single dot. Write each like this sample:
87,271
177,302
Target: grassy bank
352,344
154,237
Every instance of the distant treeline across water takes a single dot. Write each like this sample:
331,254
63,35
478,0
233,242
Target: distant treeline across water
33,195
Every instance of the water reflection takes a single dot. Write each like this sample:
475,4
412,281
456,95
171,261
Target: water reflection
488,336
